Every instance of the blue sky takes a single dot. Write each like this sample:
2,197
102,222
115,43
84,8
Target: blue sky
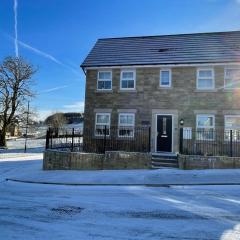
56,35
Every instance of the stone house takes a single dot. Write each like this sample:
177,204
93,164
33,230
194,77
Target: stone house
166,82
13,129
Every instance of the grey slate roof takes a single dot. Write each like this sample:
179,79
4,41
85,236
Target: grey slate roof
166,49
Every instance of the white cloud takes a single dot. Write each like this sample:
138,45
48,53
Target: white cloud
75,107
15,27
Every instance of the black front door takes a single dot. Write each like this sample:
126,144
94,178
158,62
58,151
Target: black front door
164,133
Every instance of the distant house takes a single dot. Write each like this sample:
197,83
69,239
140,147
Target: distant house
166,82
13,129
73,117
58,119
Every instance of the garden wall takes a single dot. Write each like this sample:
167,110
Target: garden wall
207,162
60,160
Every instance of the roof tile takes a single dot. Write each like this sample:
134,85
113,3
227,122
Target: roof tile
166,49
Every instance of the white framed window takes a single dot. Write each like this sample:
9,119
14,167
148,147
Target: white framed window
126,124
102,123
205,125
128,80
232,122
104,81
231,78
165,78
205,79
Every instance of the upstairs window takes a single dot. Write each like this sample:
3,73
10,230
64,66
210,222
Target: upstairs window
232,122
102,124
205,127
205,79
104,80
232,78
128,80
165,78
126,124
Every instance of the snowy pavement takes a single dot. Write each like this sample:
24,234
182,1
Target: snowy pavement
32,172
38,211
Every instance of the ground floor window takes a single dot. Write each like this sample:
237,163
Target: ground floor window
205,127
232,122
126,123
102,124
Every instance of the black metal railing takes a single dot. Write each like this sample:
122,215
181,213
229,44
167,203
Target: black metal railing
210,142
100,140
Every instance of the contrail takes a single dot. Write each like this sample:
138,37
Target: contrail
54,89
46,55
15,27
39,52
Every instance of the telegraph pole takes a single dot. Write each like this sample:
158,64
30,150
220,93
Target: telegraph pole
26,132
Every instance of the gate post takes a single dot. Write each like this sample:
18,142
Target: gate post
72,140
149,139
181,140
105,138
231,143
47,139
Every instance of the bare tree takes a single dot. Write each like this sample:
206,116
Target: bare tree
15,89
56,120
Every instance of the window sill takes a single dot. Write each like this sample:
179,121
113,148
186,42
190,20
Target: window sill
206,90
100,137
125,138
104,91
127,90
231,90
165,88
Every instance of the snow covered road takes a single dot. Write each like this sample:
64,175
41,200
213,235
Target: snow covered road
36,211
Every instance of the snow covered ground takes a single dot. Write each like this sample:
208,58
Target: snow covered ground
38,211
17,145
32,172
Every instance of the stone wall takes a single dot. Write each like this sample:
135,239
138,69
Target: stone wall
126,160
207,162
59,160
182,100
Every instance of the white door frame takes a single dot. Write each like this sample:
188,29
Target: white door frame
162,114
